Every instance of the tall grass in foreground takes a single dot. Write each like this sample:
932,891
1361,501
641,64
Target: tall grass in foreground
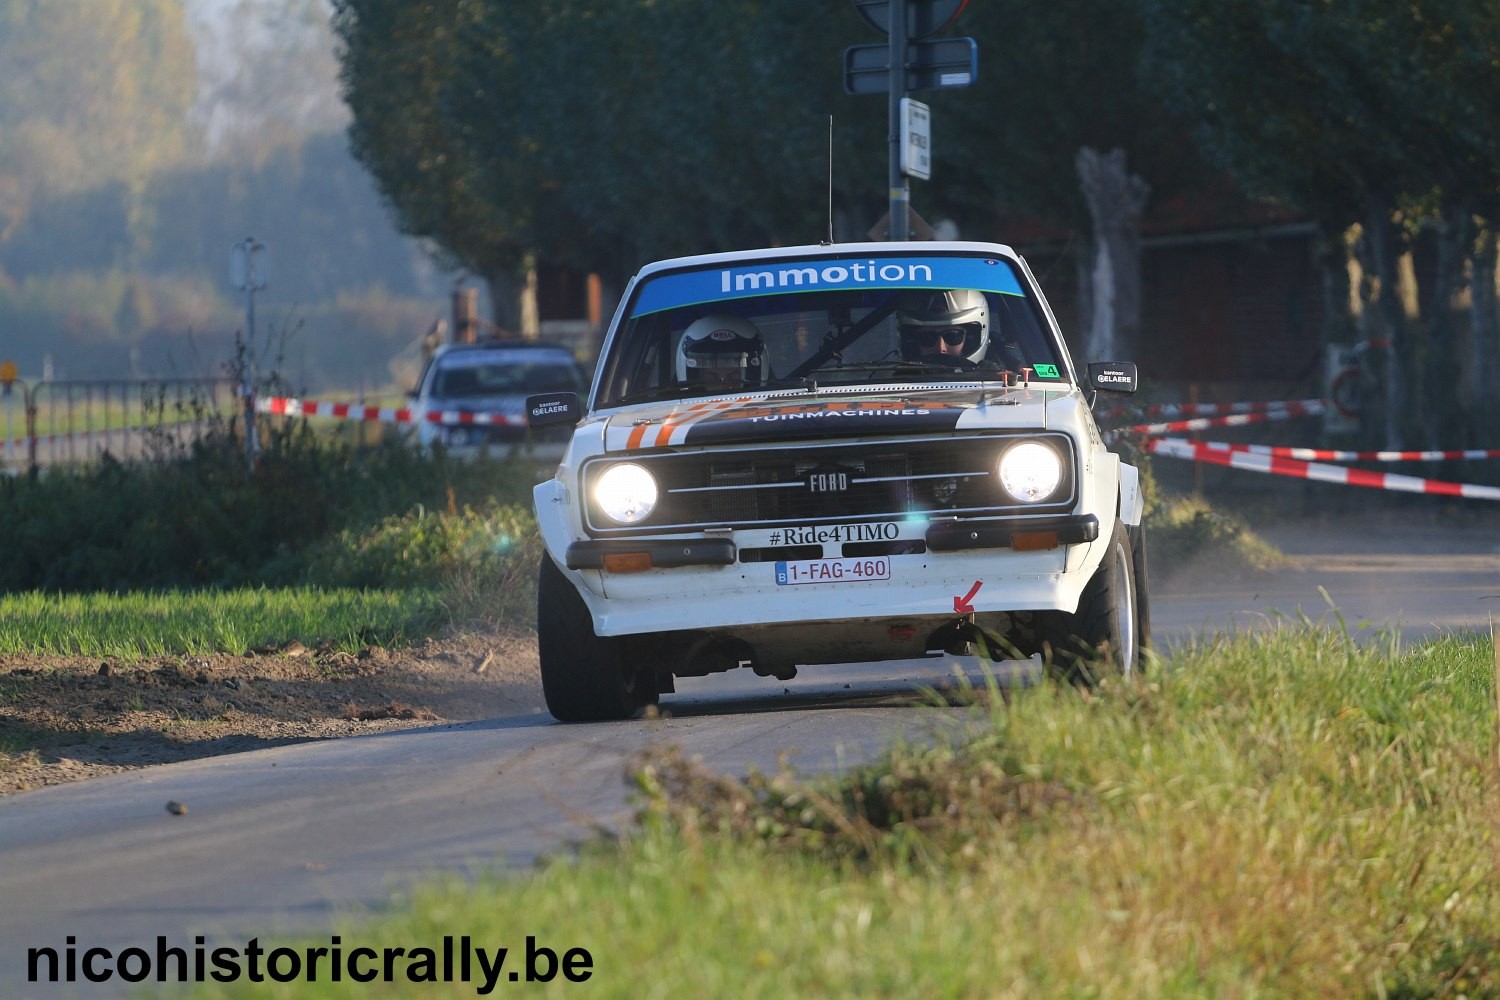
204,622
1278,815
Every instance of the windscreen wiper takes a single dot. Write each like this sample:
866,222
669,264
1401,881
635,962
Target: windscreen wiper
906,368
667,390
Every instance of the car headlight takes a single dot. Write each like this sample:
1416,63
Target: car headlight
1030,471
625,493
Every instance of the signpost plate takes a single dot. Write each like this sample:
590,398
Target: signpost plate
916,139
935,64
923,17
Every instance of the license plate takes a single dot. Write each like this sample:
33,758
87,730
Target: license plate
833,570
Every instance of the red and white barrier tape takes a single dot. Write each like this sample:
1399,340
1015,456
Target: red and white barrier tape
1330,455
1274,411
290,406
1214,409
1273,465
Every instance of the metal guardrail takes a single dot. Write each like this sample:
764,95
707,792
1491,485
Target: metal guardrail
71,422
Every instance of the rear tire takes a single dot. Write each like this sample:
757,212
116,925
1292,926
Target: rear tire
1104,633
584,676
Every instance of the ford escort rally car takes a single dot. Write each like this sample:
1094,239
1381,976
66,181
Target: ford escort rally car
833,454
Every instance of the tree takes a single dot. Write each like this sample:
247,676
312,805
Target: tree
593,135
269,77
1367,113
96,92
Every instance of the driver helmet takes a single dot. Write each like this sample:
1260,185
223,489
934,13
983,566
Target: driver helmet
952,322
721,348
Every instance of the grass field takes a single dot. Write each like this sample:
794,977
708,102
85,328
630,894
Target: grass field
177,623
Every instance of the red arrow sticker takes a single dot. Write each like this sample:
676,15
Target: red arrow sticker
961,605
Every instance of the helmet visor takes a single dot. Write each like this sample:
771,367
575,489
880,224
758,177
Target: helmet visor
721,361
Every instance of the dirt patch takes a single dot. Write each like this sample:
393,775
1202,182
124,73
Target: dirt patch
67,719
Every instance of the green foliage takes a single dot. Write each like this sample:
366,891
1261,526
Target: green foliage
1183,529
483,559
199,518
201,623
642,101
97,91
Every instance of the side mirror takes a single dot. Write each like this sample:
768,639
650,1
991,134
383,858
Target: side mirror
551,408
1112,376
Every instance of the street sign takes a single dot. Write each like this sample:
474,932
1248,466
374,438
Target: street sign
923,17
247,265
934,64
916,139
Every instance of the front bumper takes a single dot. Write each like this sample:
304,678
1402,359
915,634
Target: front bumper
1031,534
934,570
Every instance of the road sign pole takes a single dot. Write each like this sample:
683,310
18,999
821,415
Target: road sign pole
900,187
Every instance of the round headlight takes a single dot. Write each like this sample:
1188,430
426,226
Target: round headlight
626,493
1030,471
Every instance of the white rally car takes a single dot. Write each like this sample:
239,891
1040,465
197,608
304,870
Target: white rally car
833,454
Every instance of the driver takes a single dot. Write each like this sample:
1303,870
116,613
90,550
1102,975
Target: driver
721,348
938,325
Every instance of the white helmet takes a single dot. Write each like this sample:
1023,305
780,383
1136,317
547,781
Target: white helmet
721,347
954,322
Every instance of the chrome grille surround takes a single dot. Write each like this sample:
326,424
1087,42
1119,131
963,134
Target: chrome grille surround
885,479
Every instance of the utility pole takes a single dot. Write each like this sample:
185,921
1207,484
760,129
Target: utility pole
909,60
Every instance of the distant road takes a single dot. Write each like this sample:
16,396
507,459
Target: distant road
1404,570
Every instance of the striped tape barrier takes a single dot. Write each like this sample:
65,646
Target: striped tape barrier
1212,409
1331,455
1275,411
1274,465
293,407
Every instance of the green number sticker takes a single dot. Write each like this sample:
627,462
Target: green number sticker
1046,371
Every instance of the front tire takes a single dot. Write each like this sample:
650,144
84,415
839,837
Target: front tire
1105,631
584,676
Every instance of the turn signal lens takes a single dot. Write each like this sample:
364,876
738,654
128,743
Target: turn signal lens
627,562
1033,541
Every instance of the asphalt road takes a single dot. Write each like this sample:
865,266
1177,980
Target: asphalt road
276,842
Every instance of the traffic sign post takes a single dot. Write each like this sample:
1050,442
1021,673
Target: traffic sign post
909,62
248,273
900,187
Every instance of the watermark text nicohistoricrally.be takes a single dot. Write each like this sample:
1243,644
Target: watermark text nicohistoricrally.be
455,959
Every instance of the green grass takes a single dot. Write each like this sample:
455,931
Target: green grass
135,625
1278,815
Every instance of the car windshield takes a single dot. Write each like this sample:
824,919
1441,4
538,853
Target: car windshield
834,320
472,375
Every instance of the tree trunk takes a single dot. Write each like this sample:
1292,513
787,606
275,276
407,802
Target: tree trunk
505,301
1116,199
1445,415
1380,244
1484,324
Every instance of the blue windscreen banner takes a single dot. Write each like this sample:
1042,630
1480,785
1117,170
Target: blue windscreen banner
677,289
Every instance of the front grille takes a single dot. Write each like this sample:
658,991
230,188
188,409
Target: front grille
883,480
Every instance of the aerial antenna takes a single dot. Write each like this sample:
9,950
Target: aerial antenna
830,180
